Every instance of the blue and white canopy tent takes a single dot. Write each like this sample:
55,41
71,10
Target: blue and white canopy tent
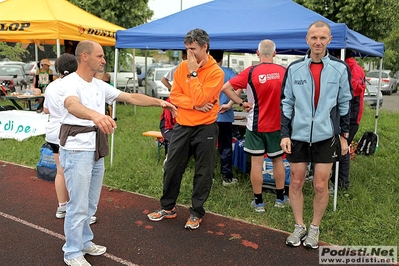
239,26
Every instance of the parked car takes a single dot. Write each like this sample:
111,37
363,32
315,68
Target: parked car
122,77
370,95
155,88
388,82
396,76
16,74
16,63
142,72
12,63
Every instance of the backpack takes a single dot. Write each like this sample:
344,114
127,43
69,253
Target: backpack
367,144
46,168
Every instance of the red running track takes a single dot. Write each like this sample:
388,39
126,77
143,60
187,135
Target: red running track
31,235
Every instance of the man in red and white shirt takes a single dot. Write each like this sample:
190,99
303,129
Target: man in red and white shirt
263,83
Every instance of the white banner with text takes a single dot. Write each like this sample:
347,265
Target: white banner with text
20,125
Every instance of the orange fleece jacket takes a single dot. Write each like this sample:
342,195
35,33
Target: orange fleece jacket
188,92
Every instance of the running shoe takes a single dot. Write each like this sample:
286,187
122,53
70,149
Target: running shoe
61,212
229,183
161,214
258,207
312,240
94,250
79,261
282,203
297,236
193,222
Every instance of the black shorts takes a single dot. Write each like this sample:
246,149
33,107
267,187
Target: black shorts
326,151
54,147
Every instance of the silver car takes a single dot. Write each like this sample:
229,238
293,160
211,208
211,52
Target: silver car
370,96
14,74
155,87
388,82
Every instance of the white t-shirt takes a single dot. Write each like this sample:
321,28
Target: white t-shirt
52,103
92,95
170,73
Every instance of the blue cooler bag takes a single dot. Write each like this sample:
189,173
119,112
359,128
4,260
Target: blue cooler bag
267,171
46,168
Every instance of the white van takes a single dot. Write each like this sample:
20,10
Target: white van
140,60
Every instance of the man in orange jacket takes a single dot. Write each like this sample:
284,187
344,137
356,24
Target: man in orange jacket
195,91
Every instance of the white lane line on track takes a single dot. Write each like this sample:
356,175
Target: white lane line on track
59,236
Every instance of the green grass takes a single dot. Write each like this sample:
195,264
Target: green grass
367,217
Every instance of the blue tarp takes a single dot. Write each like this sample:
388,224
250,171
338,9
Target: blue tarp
239,26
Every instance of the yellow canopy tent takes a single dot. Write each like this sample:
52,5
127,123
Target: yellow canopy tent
52,22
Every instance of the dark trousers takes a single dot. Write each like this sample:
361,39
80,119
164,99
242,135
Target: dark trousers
199,141
225,139
344,161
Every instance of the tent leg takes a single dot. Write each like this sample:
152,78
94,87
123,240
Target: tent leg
378,99
58,48
36,53
114,106
336,184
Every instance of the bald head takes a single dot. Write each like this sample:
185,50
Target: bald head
86,46
320,24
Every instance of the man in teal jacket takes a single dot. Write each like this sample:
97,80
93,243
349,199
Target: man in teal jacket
315,113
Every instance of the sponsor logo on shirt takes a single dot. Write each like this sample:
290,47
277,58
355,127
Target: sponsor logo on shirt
300,82
265,77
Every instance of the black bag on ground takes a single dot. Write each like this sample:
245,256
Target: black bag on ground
7,108
367,144
46,168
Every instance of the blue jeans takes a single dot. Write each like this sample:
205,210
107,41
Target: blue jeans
83,177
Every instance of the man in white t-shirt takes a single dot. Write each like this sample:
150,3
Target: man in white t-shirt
83,145
169,75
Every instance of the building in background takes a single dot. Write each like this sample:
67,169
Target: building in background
239,62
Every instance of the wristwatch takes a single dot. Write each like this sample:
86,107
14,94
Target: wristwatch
345,135
194,74
241,103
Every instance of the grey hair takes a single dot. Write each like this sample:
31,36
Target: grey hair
197,36
266,48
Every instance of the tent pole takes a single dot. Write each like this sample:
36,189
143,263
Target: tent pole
134,75
145,76
114,105
58,48
36,53
343,54
378,98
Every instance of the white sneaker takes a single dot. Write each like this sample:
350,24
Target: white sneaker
93,219
230,183
79,261
95,250
61,212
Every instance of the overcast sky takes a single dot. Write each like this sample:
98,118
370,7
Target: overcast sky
163,8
